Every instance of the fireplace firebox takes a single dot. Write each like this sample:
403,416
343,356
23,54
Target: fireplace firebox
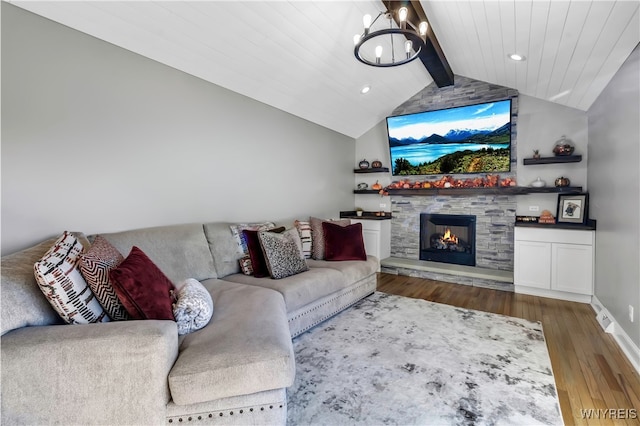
448,238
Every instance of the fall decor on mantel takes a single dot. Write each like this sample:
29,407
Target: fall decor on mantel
489,181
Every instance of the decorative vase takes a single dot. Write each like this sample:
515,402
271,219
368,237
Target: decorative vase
563,146
358,212
376,164
538,183
364,164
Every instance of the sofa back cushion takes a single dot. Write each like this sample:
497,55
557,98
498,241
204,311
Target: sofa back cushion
180,251
224,248
23,303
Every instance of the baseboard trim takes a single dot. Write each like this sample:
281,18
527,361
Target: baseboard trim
611,326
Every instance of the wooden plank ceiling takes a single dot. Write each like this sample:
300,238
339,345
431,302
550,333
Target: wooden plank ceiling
298,55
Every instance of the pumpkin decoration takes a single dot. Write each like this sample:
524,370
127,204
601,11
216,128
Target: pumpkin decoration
376,186
364,164
562,181
376,164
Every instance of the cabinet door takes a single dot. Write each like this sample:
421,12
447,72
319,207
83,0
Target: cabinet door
532,264
572,268
371,242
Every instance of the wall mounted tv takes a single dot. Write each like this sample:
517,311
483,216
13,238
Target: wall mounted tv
467,139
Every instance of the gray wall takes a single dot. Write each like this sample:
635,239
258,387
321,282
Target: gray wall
98,139
614,190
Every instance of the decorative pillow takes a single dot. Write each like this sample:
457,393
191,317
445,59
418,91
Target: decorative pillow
236,231
318,235
95,265
193,308
304,229
258,262
142,288
282,253
343,242
245,265
60,280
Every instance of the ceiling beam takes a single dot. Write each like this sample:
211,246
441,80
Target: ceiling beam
432,56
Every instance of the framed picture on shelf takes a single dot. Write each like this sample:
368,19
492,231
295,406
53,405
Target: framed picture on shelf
573,208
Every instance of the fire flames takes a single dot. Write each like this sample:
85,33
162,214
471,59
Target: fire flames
449,237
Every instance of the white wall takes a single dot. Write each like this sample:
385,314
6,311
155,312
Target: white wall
540,124
98,139
614,189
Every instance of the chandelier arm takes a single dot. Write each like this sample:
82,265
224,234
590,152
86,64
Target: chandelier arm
411,35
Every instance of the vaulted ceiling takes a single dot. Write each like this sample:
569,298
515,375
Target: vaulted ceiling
298,55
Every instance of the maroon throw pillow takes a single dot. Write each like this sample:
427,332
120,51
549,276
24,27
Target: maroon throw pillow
343,242
258,261
142,288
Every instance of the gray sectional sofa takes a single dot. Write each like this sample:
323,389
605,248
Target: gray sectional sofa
233,371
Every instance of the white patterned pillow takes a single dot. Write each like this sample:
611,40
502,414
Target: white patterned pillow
304,230
66,290
193,308
283,253
245,265
95,265
236,231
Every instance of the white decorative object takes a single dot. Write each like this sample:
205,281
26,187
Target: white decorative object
193,308
538,183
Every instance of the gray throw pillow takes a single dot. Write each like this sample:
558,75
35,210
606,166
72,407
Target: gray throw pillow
283,253
193,308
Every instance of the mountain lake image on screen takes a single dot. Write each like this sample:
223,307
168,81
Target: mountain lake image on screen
467,139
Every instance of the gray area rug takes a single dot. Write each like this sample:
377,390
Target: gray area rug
396,360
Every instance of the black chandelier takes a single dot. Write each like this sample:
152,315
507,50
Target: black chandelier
412,43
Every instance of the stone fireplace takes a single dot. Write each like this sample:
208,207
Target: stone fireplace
493,240
448,238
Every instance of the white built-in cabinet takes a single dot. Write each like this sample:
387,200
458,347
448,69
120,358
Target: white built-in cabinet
554,263
377,237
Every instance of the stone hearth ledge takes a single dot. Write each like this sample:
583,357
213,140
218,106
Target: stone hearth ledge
457,274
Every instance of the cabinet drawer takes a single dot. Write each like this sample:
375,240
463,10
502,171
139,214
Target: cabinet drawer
554,235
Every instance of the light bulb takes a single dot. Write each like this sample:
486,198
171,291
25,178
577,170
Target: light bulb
423,28
378,54
407,47
366,21
402,14
356,39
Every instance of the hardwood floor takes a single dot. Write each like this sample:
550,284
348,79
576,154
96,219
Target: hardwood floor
590,370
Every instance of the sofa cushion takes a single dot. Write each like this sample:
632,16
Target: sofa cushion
223,247
353,270
143,289
61,282
282,253
193,308
318,235
259,266
237,353
343,242
95,265
301,289
180,251
23,303
304,230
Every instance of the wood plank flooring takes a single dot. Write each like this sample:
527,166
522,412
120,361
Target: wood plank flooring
590,370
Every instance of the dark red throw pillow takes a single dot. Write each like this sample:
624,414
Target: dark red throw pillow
258,262
343,242
142,288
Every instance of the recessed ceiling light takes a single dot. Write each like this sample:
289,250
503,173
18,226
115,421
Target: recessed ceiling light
516,57
365,89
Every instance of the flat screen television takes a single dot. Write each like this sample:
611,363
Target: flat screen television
467,139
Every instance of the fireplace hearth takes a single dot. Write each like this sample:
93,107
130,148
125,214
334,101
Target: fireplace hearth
448,238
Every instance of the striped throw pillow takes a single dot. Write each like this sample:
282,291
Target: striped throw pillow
62,283
95,265
304,230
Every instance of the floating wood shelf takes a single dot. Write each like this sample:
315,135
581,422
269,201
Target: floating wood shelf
372,170
510,190
552,160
